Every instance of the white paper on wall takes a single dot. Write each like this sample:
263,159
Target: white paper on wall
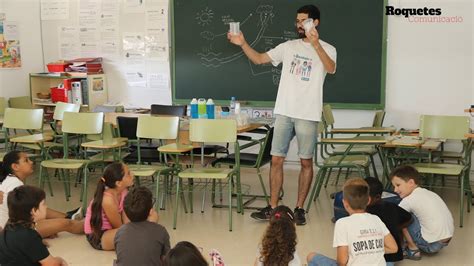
68,37
89,13
54,9
133,6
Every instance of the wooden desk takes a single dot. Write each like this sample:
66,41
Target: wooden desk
363,130
356,140
32,139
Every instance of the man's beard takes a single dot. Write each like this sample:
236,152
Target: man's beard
301,33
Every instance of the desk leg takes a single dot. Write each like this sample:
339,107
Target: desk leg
384,160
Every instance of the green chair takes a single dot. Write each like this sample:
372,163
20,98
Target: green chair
329,161
59,111
158,128
328,120
78,124
214,131
379,117
29,120
449,128
252,160
22,102
3,105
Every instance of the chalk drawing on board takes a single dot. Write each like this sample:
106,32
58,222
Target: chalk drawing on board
205,16
214,59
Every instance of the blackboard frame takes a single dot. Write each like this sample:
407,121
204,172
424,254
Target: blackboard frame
341,105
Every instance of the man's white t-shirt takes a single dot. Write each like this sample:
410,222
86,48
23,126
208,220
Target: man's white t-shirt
10,183
435,219
363,234
300,93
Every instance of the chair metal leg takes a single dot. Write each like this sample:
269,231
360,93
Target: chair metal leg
157,189
230,205
372,160
315,187
84,190
175,215
263,186
329,176
190,194
204,196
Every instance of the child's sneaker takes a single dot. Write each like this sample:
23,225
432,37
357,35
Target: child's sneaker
77,215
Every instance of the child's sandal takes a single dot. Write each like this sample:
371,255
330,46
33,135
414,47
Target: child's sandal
411,254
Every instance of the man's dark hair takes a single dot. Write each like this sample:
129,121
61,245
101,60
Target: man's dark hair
138,203
21,201
311,10
406,172
375,187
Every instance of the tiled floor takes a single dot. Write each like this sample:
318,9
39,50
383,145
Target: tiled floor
210,229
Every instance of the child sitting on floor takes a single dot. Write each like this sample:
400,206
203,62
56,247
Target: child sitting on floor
142,241
433,226
15,169
278,245
20,243
105,212
361,238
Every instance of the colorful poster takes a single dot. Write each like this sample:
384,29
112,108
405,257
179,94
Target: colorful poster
10,54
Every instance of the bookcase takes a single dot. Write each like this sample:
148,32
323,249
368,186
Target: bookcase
93,86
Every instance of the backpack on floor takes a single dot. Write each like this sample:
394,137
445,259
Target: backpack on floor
340,212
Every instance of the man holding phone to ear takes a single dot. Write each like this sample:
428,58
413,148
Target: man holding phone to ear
298,106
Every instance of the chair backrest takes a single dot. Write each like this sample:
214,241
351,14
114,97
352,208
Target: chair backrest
213,130
28,119
328,115
64,107
267,147
22,102
444,127
83,123
127,127
158,127
3,105
378,118
174,110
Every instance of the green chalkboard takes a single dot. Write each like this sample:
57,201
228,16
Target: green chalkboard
206,65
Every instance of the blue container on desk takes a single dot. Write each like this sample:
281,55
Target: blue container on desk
210,109
194,108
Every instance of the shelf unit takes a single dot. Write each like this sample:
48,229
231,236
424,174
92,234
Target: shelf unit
94,88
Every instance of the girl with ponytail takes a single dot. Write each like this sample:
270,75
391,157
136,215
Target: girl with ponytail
278,247
105,212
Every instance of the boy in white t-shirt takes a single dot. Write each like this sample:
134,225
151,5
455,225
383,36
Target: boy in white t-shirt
361,238
433,226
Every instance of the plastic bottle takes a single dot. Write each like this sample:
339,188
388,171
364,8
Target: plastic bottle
194,108
210,109
232,105
202,108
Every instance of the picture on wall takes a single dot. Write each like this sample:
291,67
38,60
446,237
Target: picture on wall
10,54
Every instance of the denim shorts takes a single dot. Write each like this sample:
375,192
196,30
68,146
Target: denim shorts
321,260
415,232
286,128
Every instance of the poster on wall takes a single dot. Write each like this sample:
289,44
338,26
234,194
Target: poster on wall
54,9
10,54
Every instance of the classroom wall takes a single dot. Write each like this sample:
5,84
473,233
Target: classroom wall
429,65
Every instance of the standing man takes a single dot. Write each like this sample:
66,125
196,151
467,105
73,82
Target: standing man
298,105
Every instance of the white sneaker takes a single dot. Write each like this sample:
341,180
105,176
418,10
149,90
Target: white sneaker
78,215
